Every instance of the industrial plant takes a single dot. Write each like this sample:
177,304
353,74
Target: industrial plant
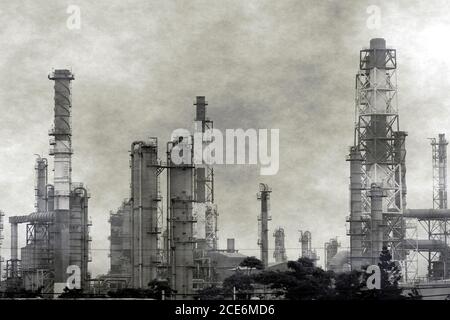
171,234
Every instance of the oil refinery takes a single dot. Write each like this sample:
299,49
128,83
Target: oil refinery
166,229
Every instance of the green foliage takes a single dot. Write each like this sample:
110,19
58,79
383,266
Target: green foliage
311,282
252,263
349,285
22,293
241,282
211,293
157,287
71,293
304,281
154,291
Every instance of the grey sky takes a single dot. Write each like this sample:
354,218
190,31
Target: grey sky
261,64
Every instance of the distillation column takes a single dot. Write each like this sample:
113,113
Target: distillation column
62,152
356,221
14,261
145,224
376,222
376,124
181,221
263,222
280,251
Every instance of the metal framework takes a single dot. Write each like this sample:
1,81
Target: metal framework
205,210
204,176
376,156
38,271
437,229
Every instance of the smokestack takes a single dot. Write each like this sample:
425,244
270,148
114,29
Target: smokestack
14,247
200,104
62,152
230,245
263,242
41,184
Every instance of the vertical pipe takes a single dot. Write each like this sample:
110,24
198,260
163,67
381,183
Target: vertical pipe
14,249
14,242
442,154
141,274
376,216
41,183
132,218
356,223
264,195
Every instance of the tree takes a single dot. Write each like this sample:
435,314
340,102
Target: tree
352,285
242,283
303,281
71,293
157,287
211,293
348,285
390,270
278,281
252,263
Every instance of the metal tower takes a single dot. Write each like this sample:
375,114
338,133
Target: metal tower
331,249
263,222
280,252
204,176
307,250
62,152
376,191
438,229
180,184
145,218
439,158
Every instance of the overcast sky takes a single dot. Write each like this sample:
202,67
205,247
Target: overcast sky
286,64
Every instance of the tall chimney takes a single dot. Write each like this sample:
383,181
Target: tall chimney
62,152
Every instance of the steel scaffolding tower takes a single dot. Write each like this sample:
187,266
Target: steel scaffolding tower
375,162
204,176
437,229
280,251
263,222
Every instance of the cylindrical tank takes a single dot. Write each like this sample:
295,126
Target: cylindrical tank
144,195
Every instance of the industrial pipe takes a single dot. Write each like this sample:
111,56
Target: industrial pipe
376,221
14,241
427,214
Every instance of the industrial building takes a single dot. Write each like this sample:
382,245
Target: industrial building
57,232
179,244
379,215
172,234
